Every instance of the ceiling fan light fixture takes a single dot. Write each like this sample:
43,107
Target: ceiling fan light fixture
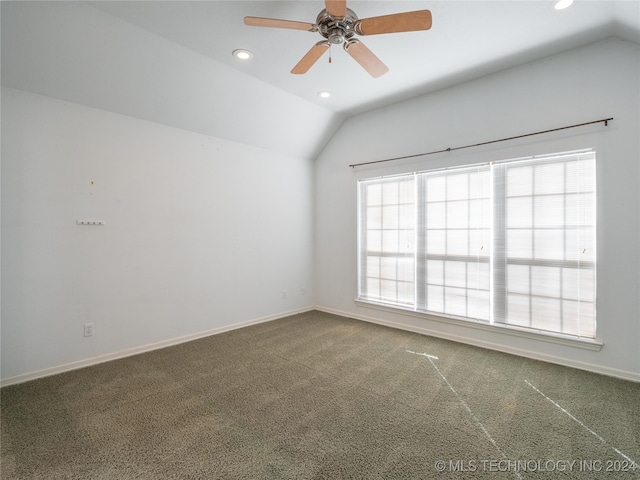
336,36
562,4
242,54
338,25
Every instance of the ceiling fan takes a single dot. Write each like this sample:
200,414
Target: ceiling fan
339,24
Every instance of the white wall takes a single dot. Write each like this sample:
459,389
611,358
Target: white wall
593,82
203,234
200,234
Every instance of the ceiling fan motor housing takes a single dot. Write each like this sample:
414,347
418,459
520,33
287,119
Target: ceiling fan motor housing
336,29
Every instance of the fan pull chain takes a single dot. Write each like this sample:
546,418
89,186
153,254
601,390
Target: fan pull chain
329,53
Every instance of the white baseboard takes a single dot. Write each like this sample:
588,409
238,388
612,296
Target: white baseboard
632,376
141,349
567,362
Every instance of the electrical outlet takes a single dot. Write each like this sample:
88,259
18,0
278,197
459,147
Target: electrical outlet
284,294
303,291
88,329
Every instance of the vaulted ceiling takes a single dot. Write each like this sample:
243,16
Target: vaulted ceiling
171,61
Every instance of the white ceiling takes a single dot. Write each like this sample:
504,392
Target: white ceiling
467,39
170,62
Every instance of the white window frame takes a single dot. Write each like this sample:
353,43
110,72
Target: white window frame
497,318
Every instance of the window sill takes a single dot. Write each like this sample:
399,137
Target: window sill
567,340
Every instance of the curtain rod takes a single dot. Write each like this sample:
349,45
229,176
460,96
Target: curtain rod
450,149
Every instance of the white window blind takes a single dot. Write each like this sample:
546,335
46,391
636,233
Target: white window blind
510,242
455,218
388,237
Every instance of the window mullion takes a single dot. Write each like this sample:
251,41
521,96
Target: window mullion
421,243
499,249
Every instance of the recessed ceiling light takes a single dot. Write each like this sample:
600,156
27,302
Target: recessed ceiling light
562,4
324,94
242,54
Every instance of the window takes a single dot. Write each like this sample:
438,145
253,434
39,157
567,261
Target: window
509,242
389,248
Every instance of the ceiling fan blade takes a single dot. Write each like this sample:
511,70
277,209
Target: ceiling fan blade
365,58
311,57
276,23
336,8
397,22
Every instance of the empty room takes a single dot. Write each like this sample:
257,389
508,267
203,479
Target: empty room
320,239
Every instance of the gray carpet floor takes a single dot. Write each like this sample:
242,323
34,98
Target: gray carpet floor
317,396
